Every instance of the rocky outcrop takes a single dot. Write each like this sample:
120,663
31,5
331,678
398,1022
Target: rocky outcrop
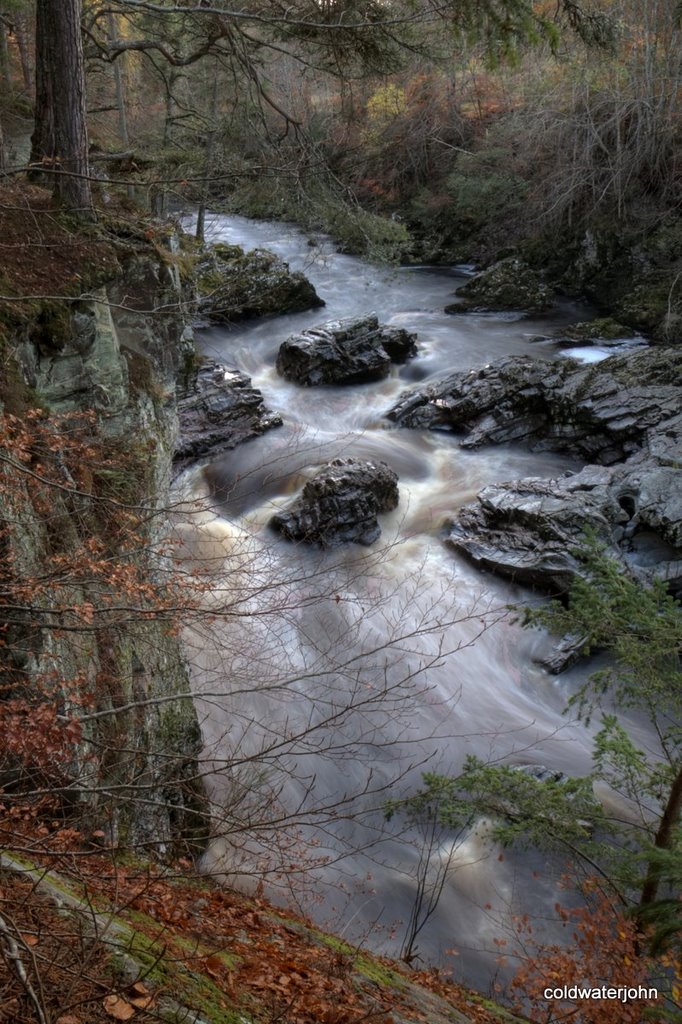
600,331
236,285
603,332
532,530
350,351
135,771
621,415
340,504
218,410
509,284
601,412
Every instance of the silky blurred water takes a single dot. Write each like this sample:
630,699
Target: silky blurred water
330,681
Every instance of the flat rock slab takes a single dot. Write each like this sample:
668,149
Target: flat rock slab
340,504
350,351
219,410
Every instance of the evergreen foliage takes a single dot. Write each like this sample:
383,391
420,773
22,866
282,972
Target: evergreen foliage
641,629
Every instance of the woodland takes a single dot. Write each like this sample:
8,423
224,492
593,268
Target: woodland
232,601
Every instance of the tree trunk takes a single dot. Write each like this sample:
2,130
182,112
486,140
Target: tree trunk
5,72
60,47
199,233
663,841
42,140
21,36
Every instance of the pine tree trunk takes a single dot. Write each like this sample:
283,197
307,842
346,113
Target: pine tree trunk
66,68
5,72
42,140
21,36
670,819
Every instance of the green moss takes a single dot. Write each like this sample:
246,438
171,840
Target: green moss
227,253
377,972
167,971
363,963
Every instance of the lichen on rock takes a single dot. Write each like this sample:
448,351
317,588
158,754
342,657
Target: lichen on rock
509,284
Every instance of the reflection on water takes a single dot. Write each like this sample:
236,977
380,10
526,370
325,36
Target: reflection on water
332,680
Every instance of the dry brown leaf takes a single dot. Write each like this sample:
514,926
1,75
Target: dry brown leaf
138,988
141,1002
68,1018
118,1008
214,965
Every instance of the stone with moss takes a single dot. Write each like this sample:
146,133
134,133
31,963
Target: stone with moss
599,330
510,284
237,285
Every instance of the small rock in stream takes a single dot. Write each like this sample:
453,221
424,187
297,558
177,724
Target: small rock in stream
509,284
237,285
340,504
350,351
218,410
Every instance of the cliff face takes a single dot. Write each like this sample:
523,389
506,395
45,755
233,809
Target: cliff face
84,637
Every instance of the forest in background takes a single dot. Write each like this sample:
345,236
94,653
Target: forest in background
411,131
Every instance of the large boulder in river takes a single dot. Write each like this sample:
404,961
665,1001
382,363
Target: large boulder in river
340,504
217,410
622,415
350,351
602,412
509,284
530,530
236,285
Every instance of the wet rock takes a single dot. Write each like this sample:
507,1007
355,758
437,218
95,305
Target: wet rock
602,412
340,504
509,284
529,530
218,410
621,415
563,654
236,285
350,351
532,530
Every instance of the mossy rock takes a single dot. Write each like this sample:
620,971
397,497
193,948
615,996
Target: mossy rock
655,305
509,284
601,329
237,285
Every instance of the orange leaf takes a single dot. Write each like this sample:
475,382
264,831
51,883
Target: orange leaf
118,1008
141,1002
214,965
138,988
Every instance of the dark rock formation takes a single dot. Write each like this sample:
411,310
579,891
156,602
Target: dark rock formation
508,285
600,331
622,415
531,530
218,411
350,351
602,412
341,504
235,285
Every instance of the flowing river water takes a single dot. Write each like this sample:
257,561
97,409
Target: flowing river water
331,680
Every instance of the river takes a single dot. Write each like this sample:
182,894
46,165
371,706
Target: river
330,681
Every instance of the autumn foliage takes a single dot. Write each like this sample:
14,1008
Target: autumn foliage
604,948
